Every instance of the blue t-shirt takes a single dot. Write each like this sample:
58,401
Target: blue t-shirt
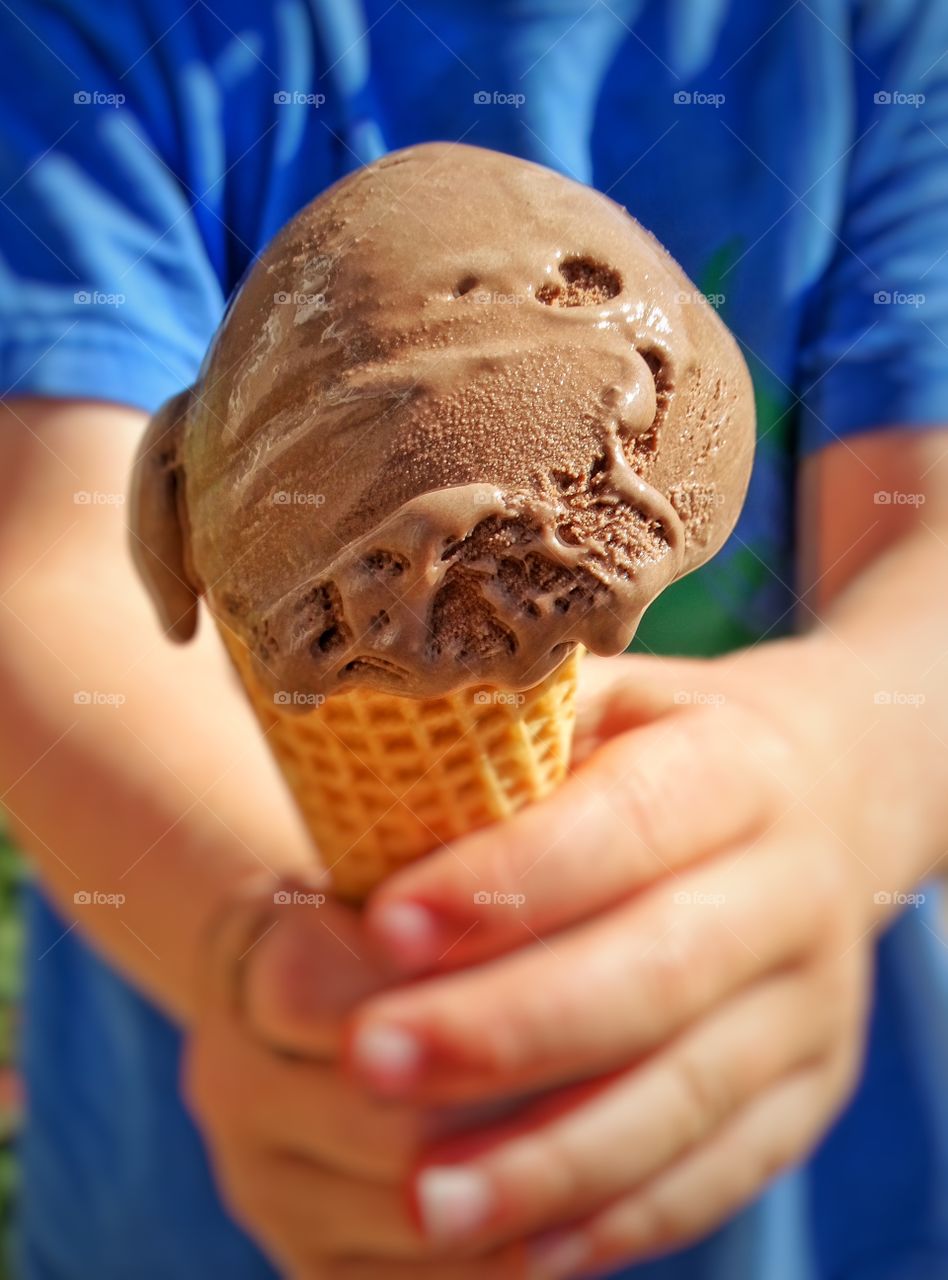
794,159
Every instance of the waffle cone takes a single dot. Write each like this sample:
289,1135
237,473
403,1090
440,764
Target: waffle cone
382,779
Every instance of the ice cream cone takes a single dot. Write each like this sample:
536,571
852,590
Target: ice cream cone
382,779
387,479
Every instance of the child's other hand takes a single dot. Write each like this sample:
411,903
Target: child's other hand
311,1166
676,944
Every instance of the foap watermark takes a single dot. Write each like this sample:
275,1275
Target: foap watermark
98,698
293,698
896,298
895,898
897,698
498,698
697,898
293,98
501,299
97,498
285,298
694,98
93,98
897,498
95,898
488,898
686,296
297,498
497,98
298,898
895,98
699,698
96,298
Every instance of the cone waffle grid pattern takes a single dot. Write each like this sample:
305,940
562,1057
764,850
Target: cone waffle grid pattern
382,779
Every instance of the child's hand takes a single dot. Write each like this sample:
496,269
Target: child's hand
313,1168
680,937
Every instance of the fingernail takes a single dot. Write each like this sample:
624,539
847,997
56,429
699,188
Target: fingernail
408,931
388,1056
557,1255
453,1202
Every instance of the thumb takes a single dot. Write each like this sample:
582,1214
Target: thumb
618,694
290,962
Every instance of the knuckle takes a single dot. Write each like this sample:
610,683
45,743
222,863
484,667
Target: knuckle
526,1027
641,800
502,875
707,1096
384,1139
501,1048
563,1176
653,1222
673,968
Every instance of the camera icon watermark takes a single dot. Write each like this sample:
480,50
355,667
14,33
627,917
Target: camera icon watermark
500,299
689,98
496,98
285,298
897,498
298,898
96,498
895,98
697,898
897,298
488,898
897,698
92,98
93,898
97,698
686,296
699,698
888,898
95,298
297,498
293,698
292,98
498,698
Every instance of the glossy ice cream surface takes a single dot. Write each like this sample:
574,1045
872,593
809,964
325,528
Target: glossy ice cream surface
463,414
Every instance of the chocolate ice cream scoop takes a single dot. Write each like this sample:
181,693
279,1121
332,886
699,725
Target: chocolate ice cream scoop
462,415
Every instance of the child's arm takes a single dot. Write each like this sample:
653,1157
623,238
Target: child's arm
170,799
127,765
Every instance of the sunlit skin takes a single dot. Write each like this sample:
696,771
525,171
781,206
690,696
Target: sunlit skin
677,992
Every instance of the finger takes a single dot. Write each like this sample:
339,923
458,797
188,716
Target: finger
547,1169
646,804
618,694
604,681
288,961
305,1108
304,1215
311,1214
310,1109
597,996
706,1187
